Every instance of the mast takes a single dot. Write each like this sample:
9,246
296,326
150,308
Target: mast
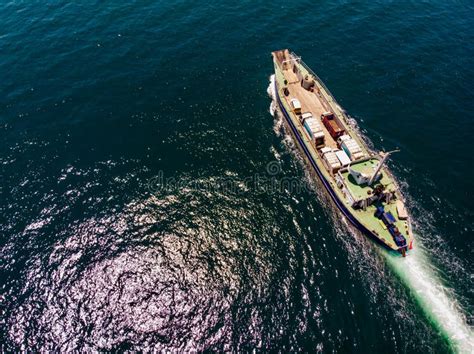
379,166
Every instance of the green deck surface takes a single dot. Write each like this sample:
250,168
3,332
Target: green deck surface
376,225
360,192
367,167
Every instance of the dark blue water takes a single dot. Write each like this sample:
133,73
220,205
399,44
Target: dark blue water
100,99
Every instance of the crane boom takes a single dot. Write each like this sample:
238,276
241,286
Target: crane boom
380,165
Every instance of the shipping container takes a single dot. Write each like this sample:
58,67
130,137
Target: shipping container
295,105
351,147
306,115
343,158
388,218
330,159
332,125
313,129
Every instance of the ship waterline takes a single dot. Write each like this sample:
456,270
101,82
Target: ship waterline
356,178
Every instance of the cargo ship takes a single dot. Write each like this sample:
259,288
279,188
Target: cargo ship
357,179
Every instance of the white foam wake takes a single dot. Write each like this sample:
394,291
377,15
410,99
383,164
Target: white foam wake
437,301
272,108
271,87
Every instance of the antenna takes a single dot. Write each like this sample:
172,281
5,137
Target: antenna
379,166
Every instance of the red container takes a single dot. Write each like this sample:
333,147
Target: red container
331,125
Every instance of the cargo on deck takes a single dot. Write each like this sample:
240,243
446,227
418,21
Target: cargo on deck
350,146
401,211
295,105
313,129
332,125
330,158
343,158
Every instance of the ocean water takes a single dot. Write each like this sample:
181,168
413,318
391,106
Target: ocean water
138,204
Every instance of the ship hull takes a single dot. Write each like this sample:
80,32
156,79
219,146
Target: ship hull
334,197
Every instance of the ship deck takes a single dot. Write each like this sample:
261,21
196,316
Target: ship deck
317,101
310,102
358,191
378,227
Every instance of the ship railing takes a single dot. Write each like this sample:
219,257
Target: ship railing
303,64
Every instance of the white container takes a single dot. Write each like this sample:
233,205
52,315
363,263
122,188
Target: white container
343,158
351,147
295,105
314,130
331,160
343,138
306,115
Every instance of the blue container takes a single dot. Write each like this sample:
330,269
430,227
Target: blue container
308,129
379,212
388,218
399,239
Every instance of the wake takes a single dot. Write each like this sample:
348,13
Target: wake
436,300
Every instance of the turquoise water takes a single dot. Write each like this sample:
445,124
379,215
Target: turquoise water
98,100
